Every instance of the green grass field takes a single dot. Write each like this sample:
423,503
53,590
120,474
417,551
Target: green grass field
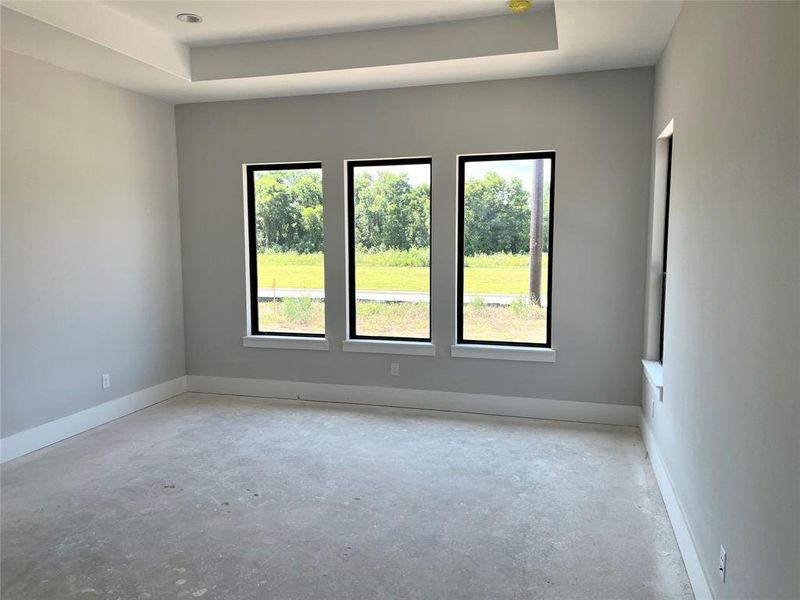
408,319
404,271
494,274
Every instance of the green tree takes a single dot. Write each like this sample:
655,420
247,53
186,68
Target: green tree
419,226
313,235
496,216
289,211
391,214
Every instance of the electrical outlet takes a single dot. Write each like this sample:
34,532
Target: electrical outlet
106,381
396,369
723,562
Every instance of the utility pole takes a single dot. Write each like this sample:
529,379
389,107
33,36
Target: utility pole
536,233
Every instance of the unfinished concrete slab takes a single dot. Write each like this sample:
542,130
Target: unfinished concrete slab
221,497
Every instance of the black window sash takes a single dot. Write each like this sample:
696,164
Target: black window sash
251,242
462,161
351,245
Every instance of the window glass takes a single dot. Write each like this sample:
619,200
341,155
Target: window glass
287,279
390,244
505,211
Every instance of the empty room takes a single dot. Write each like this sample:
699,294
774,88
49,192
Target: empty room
400,300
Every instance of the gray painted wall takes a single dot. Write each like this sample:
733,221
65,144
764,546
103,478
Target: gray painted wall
729,426
91,273
599,125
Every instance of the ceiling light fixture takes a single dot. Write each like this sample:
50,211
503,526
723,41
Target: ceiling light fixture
189,18
519,6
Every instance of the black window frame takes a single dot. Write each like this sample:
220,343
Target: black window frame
662,316
462,161
352,165
251,242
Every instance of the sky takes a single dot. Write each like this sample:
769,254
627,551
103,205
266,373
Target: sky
417,174
507,169
522,169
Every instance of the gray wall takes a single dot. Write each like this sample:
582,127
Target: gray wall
91,272
728,428
598,124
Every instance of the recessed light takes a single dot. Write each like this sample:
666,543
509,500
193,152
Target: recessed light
189,18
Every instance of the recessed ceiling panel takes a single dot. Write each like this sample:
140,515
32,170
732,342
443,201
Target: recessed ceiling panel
238,21
134,45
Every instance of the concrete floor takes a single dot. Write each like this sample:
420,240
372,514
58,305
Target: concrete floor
236,498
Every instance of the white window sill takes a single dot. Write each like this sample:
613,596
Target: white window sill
390,347
285,342
503,352
654,372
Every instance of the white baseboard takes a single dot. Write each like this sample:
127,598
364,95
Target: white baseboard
38,437
508,406
683,534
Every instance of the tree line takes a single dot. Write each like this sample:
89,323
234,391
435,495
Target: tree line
392,214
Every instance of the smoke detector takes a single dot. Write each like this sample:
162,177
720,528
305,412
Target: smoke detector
519,6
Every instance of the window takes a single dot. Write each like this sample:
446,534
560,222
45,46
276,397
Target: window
389,253
505,266
287,281
664,255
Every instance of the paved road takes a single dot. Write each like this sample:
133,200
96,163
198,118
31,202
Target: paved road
266,294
